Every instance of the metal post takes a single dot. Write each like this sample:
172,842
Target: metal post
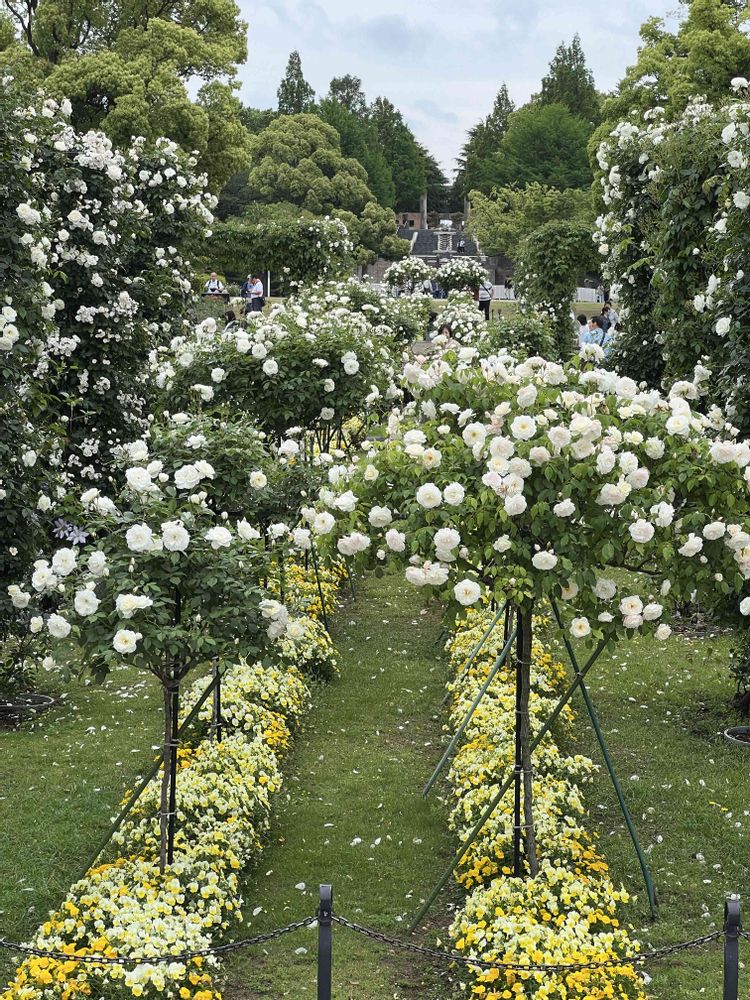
518,765
314,555
216,732
325,942
732,927
499,662
651,892
478,648
175,740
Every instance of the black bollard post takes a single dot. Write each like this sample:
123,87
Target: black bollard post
732,927
325,942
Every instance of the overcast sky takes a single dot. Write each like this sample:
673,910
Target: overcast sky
439,61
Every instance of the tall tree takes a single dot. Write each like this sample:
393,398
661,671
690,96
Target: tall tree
402,153
544,143
295,95
707,51
347,91
483,141
438,189
125,68
571,82
359,139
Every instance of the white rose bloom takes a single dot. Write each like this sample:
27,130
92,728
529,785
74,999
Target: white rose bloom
632,621
502,544
350,545
639,479
570,591
723,325
36,624
654,448
539,456
187,477
432,458
652,611
371,474
717,529
258,480
323,523
395,540
125,640
454,494
605,616
300,537
288,448
43,503
474,434
139,538
612,494
64,561
250,534
380,517
43,578
723,452
663,632
663,514
219,537
632,605
429,496
566,508
515,504
692,546
559,436
502,447
86,603
544,560
526,396
604,589
435,574
19,598
580,627
58,627
641,531
139,480
415,575
523,427
127,604
346,502
97,564
467,592
174,536
447,539
271,366
745,606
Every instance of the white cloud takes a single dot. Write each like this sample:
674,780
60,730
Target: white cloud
439,62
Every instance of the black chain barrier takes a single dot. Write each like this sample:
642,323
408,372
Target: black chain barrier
393,942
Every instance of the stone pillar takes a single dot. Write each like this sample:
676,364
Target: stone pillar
423,212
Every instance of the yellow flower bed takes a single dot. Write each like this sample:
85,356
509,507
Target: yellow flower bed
568,912
224,795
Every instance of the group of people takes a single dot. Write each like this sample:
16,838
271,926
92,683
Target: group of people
599,329
252,291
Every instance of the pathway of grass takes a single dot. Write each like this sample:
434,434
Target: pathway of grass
61,781
663,708
355,815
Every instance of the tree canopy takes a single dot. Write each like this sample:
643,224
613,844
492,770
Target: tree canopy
483,141
295,95
402,152
347,91
359,140
571,82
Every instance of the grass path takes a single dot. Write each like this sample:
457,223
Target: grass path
354,815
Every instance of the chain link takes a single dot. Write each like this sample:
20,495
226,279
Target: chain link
448,956
185,956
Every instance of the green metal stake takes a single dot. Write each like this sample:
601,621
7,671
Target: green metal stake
499,662
610,767
314,555
127,808
478,649
497,798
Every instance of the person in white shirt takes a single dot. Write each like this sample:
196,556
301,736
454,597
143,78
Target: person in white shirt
214,285
257,298
486,295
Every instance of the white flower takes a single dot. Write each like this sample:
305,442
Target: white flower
187,477
29,458
125,640
454,494
174,536
395,540
544,560
652,611
632,605
502,544
717,529
127,604
139,538
515,504
654,448
523,427
632,621
663,514
741,200
270,366
43,503
745,606
432,458
663,632
97,564
258,479
692,546
380,517
139,480
371,474
570,590
323,523
641,531
219,537
559,436
58,627
350,545
580,627
86,602
467,592
345,502
36,624
566,508
474,434
19,598
447,539
429,496
43,578
64,561
250,534
604,589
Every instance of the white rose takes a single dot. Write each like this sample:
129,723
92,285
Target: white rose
652,611
395,540
139,538
605,589
174,536
745,606
379,517
58,627
523,427
717,529
502,544
139,480
641,531
97,564
515,504
454,494
64,561
323,523
692,546
580,627
544,560
270,366
86,602
258,480
219,537
632,605
250,534
663,632
187,477
566,508
467,592
429,496
125,640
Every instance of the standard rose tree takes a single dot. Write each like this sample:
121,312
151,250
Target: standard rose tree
165,583
518,482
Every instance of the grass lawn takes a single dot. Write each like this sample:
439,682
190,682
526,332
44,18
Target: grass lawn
355,815
663,708
61,781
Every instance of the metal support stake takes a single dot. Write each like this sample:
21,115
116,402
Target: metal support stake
732,928
325,942
610,767
478,649
499,662
216,732
518,757
314,555
175,739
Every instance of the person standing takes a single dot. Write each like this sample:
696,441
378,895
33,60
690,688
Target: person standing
486,295
606,321
246,292
614,316
257,297
214,285
461,245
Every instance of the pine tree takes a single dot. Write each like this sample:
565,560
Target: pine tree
347,90
295,94
571,82
483,142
